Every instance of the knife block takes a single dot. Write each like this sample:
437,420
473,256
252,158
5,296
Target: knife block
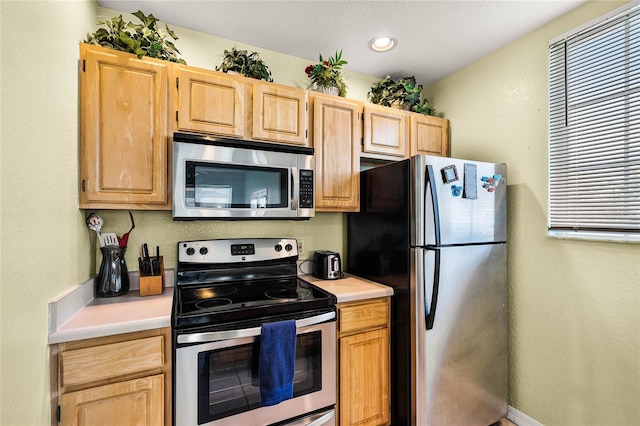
151,285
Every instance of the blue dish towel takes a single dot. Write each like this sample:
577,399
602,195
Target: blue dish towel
276,361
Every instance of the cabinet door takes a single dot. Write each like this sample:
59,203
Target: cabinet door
280,114
134,402
429,135
364,378
336,139
210,102
123,130
385,132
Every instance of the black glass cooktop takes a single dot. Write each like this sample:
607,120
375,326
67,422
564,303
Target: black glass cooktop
204,304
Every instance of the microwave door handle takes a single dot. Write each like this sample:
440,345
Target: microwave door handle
214,336
294,188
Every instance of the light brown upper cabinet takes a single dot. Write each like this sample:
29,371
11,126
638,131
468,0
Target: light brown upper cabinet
210,102
280,114
337,129
385,132
123,130
130,107
429,135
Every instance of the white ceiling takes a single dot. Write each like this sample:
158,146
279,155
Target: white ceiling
435,37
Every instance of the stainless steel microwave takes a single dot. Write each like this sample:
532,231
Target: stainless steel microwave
218,178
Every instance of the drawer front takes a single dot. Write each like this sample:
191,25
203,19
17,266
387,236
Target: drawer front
92,364
363,316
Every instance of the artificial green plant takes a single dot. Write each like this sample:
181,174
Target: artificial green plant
144,39
245,63
403,94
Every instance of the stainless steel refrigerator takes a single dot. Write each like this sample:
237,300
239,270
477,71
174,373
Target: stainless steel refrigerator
435,229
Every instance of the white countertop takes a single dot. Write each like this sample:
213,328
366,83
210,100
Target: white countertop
350,288
116,315
77,315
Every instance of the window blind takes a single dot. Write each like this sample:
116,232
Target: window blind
594,129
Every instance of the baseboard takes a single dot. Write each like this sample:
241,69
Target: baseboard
520,418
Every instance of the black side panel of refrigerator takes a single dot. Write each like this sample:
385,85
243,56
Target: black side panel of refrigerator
378,250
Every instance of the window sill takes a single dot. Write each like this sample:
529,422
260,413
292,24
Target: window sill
611,237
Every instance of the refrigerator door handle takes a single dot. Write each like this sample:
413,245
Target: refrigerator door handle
419,179
431,210
431,295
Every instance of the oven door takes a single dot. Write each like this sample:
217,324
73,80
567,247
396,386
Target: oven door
216,376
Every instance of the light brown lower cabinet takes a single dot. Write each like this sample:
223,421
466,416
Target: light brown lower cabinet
134,402
115,380
363,371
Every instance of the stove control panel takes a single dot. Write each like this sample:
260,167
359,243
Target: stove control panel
237,250
240,249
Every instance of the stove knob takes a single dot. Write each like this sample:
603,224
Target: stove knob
190,251
204,250
288,247
278,247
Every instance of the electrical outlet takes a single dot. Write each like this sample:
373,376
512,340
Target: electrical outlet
300,247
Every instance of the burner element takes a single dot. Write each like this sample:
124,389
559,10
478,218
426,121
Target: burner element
213,303
213,292
287,293
303,293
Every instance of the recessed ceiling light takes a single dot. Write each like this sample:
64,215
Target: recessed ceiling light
382,44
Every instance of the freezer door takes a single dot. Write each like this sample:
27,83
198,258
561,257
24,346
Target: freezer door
461,348
458,201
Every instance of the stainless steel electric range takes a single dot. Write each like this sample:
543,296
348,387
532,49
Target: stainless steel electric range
225,290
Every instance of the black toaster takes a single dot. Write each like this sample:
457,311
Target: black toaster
327,265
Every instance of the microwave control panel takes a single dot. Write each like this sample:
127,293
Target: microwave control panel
306,189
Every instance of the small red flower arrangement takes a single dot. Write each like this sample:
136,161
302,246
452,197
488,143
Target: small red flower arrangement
327,74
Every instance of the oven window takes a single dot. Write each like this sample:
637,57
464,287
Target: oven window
228,377
235,186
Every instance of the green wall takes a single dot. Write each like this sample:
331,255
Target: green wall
43,246
574,305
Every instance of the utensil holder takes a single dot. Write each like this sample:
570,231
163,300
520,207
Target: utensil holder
113,278
151,285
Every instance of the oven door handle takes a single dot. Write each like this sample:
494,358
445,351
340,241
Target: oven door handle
214,336
323,419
